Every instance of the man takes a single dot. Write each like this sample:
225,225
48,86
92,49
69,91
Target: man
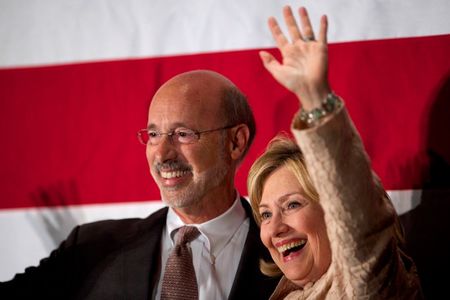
199,129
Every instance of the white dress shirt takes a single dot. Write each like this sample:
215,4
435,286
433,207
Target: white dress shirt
216,252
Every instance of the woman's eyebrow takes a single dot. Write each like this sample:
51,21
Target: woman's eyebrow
285,197
281,199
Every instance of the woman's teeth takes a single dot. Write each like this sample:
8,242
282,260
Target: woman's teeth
290,247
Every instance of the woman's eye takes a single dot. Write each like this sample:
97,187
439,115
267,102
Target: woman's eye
293,205
265,215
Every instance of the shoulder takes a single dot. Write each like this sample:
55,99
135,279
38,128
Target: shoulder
114,231
90,250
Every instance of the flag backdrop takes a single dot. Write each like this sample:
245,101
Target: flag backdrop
77,77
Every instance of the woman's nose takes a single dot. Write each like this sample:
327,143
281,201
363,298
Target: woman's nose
278,225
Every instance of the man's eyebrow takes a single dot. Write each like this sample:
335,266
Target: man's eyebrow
172,127
151,126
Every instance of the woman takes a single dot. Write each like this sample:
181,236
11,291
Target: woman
324,216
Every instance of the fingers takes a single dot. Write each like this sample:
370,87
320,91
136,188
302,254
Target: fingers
323,29
307,29
291,24
277,34
266,57
306,33
270,63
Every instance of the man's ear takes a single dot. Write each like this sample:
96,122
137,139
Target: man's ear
239,140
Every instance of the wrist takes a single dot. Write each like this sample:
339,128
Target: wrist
313,98
329,104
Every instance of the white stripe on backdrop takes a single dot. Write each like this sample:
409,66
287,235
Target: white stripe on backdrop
42,229
52,32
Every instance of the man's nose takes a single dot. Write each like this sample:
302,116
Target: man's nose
165,150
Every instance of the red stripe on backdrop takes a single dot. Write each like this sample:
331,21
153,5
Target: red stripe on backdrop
68,132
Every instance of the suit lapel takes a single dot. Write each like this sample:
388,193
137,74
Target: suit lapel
141,256
249,282
245,272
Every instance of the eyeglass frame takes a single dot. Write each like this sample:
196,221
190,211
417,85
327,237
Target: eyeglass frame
173,132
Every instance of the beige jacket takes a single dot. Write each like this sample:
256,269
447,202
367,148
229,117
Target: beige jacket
367,262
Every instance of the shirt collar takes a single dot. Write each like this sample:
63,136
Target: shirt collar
218,231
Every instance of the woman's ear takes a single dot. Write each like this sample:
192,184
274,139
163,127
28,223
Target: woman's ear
239,140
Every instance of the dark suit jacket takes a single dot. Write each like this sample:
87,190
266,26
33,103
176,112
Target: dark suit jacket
120,259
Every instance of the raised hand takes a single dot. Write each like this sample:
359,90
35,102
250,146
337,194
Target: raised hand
304,66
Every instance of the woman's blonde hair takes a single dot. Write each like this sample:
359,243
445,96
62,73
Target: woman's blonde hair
281,152
284,152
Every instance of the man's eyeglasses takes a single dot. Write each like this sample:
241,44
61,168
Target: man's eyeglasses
179,135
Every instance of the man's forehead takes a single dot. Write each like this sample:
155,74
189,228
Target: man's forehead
180,104
186,99
170,113
183,100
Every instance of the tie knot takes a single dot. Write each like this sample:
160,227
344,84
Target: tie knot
186,234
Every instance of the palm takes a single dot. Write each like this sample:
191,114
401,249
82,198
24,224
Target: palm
304,65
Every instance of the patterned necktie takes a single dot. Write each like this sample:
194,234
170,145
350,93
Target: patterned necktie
179,281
